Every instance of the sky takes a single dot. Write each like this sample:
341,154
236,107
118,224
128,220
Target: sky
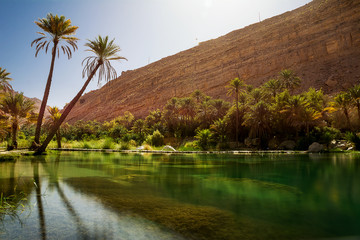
145,30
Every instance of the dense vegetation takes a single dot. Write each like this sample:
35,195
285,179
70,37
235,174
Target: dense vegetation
260,117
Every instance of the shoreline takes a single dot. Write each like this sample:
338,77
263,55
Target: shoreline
233,152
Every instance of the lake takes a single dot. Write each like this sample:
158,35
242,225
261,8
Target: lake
93,195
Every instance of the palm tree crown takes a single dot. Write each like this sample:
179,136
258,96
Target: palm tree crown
104,51
4,79
57,29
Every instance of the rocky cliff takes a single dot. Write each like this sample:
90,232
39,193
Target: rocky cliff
319,41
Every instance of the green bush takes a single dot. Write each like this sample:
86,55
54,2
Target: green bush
156,139
108,143
204,139
354,138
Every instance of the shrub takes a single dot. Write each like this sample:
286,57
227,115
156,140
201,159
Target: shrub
354,138
156,139
108,143
203,139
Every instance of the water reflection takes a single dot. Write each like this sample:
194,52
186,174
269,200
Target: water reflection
154,196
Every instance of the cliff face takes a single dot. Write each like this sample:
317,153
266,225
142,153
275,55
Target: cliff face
319,41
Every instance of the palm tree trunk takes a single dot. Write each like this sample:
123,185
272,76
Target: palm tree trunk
45,98
14,129
237,118
58,138
66,112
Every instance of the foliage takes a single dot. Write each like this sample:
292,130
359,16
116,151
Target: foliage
156,139
354,138
204,139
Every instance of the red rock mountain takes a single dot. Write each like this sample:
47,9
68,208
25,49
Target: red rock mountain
320,42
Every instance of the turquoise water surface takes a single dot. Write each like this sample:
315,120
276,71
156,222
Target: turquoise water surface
84,195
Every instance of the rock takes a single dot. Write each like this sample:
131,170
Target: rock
316,41
331,82
287,145
315,147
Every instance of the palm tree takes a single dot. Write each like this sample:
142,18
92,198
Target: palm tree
258,119
104,51
274,86
289,80
55,116
343,102
4,80
18,107
235,86
355,97
56,30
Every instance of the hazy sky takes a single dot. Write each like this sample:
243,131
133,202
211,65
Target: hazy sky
146,31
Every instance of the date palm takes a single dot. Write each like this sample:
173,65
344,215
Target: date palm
235,86
17,107
4,80
57,30
343,102
104,51
289,80
355,98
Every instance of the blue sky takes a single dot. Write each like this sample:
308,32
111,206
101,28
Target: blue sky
146,31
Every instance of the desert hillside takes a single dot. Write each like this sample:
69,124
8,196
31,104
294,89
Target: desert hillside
319,41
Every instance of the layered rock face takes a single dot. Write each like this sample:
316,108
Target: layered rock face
320,42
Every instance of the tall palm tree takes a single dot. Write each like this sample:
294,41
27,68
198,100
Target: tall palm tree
235,86
55,116
17,107
104,51
56,30
4,80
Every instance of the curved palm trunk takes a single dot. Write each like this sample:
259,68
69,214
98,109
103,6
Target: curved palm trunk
66,112
45,98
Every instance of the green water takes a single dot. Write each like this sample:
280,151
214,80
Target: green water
155,196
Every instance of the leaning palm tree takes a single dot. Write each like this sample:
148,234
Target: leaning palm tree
4,80
104,51
17,107
57,30
235,86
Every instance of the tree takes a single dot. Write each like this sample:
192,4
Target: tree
104,51
274,86
55,116
17,107
4,80
56,30
355,98
258,119
235,86
289,80
343,102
